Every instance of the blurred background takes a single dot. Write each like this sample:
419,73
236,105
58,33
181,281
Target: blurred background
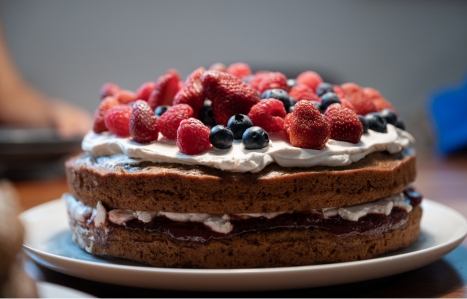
405,49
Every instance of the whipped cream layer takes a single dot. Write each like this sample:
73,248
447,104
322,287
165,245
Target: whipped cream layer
239,159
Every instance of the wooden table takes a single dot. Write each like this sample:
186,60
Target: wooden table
440,179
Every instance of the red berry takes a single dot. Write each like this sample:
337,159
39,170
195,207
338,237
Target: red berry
126,97
310,79
379,102
169,121
192,92
345,103
273,80
239,70
257,78
192,136
143,123
361,103
145,90
307,128
228,94
167,86
195,76
339,91
218,67
99,114
117,120
268,114
109,90
287,124
302,92
345,124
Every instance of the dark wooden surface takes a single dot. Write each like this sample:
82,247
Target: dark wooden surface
443,179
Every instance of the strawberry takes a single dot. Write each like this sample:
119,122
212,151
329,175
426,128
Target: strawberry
143,123
117,120
145,90
345,124
307,128
287,124
273,80
228,94
192,92
169,121
239,70
109,89
99,114
192,136
195,76
268,114
361,103
167,86
302,92
125,97
379,102
310,79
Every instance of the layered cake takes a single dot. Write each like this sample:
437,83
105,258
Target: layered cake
230,169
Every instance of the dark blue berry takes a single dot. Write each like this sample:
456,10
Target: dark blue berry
221,137
160,110
278,94
292,105
238,124
328,99
255,138
389,116
364,122
323,88
400,124
376,122
206,116
291,83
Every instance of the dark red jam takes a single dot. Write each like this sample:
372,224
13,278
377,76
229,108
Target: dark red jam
198,232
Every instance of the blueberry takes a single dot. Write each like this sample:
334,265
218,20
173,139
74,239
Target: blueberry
323,88
328,99
206,116
376,122
389,116
400,124
160,110
364,122
221,137
292,105
238,124
255,138
291,82
278,94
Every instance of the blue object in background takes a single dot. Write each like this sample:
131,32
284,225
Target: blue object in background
448,109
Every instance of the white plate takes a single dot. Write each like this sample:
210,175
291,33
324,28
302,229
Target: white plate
48,242
50,290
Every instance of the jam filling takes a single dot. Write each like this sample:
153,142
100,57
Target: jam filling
198,232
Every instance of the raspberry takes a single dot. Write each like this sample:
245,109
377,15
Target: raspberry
256,79
228,94
345,103
339,91
99,114
169,121
273,80
109,90
117,120
239,70
192,136
125,97
192,92
345,124
310,79
167,86
143,124
145,90
307,128
268,114
302,92
361,103
379,102
286,125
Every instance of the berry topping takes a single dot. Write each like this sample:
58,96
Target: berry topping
306,127
293,101
361,103
221,137
379,102
376,122
161,110
310,79
229,95
99,114
278,94
273,80
345,124
143,123
125,97
400,124
328,99
238,124
206,116
239,70
302,92
117,120
218,66
339,91
169,121
256,79
318,105
145,90
364,122
268,114
287,123
389,116
191,94
192,136
109,90
255,138
323,88
167,86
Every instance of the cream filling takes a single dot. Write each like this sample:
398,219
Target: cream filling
221,223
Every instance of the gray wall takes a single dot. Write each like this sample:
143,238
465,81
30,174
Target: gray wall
403,48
